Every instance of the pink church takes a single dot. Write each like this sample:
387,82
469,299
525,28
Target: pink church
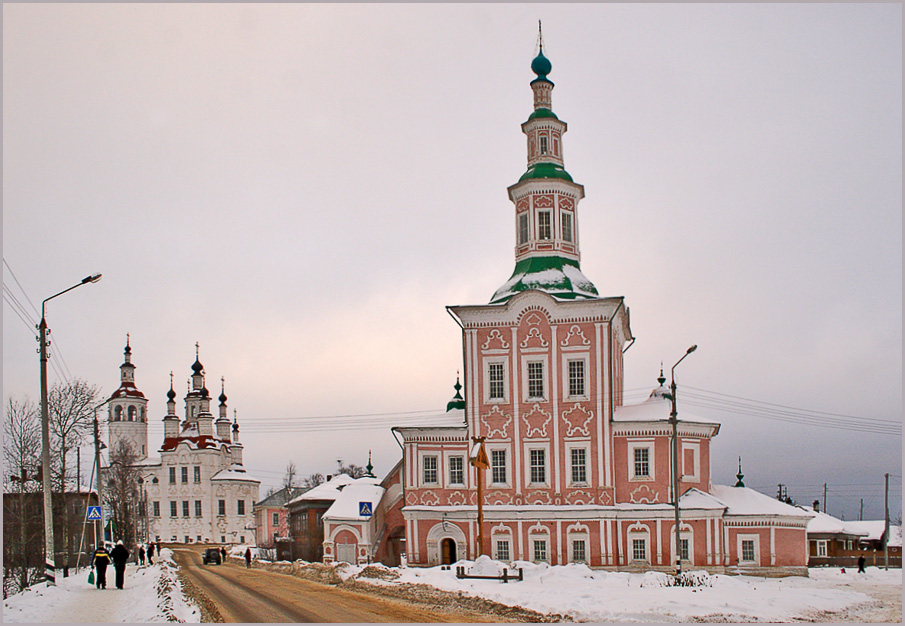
573,475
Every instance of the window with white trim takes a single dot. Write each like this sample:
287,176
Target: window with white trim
579,554
538,465
197,508
576,378
639,549
155,507
240,507
496,381
748,549
543,144
642,463
535,380
172,475
221,507
276,519
185,474
567,227
173,507
540,550
821,547
502,550
498,466
523,228
543,225
683,549
579,457
185,508
456,470
429,470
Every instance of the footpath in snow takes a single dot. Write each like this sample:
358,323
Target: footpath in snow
151,594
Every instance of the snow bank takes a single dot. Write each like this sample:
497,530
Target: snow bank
152,593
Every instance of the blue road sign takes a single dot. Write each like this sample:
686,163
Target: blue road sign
94,514
365,509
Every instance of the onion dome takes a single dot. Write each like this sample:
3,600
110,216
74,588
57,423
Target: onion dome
457,402
541,65
739,476
660,392
197,367
204,393
171,395
222,397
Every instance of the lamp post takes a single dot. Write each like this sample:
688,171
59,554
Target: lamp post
98,446
49,548
674,420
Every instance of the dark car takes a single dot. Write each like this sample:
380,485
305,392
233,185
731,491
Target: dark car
211,555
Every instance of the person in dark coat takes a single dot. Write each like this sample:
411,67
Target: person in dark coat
141,554
861,561
119,555
151,553
247,558
100,561
223,554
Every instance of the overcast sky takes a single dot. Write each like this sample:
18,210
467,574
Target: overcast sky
302,189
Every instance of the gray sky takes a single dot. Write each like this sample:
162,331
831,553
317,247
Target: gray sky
303,188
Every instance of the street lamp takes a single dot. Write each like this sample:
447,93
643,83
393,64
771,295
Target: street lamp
49,548
98,446
674,420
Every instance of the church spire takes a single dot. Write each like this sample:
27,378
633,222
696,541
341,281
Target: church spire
546,204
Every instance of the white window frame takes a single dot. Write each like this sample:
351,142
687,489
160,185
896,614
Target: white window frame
507,541
695,475
506,465
545,386
435,469
639,444
449,469
544,228
822,545
545,447
543,538
578,533
641,532
688,536
748,537
522,228
643,542
504,360
543,144
566,218
570,448
566,388
275,519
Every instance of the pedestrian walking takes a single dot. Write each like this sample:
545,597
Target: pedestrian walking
141,554
247,558
151,553
223,554
120,555
861,561
100,561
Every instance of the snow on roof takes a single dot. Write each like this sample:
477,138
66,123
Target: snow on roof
745,501
325,491
235,472
873,529
655,408
697,499
346,506
895,536
823,523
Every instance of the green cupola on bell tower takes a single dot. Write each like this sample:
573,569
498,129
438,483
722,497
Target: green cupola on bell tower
546,204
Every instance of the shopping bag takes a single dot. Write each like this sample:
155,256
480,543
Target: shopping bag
91,577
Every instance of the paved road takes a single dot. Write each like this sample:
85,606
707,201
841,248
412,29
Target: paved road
254,595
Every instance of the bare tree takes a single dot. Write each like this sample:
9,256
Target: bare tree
22,458
121,491
352,470
290,480
70,409
313,480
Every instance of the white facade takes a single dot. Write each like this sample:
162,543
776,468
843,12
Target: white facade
197,490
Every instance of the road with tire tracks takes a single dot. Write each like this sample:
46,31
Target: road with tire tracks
256,595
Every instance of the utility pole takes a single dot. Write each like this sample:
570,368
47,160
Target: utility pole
824,497
861,511
479,460
886,526
99,528
674,420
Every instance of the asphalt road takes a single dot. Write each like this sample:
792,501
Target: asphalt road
254,595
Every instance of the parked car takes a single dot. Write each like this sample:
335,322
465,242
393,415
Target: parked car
211,555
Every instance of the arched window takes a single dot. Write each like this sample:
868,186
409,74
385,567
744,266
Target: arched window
143,418
132,413
118,414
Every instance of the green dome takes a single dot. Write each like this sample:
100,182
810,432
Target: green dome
558,276
541,65
539,113
546,170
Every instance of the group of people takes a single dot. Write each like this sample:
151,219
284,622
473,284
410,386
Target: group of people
119,556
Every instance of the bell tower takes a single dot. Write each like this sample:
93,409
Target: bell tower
127,410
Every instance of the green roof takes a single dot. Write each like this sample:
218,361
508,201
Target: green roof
546,170
539,113
558,276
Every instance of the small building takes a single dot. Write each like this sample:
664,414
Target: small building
872,544
272,516
832,541
306,512
354,523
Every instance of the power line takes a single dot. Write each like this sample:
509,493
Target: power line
25,293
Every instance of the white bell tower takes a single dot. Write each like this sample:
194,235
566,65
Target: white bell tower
127,416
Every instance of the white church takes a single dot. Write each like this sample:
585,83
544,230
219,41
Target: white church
196,490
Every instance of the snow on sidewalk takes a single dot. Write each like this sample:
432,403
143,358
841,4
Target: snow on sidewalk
151,594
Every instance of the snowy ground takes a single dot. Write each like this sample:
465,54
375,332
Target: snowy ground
151,594
597,596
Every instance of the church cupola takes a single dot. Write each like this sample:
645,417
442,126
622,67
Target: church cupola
223,420
546,205
171,421
127,409
127,370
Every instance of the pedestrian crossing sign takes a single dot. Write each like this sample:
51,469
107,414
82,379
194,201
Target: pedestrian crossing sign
94,514
365,509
